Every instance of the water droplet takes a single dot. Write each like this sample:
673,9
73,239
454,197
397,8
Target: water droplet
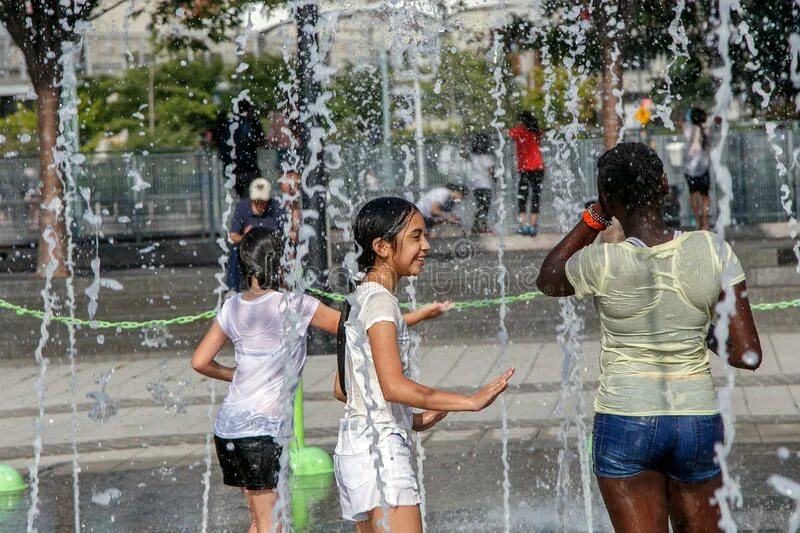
783,453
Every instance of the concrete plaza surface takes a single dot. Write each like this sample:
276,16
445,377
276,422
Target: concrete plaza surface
162,406
153,449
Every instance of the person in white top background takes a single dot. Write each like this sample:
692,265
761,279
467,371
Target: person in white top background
696,164
436,205
481,180
372,461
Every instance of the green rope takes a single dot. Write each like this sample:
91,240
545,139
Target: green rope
205,315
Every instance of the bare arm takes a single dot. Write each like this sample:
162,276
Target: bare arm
427,312
326,319
552,279
397,388
203,358
744,346
338,393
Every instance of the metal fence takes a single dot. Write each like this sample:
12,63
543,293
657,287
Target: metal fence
184,195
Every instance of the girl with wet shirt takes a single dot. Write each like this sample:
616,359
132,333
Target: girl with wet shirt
657,416
372,461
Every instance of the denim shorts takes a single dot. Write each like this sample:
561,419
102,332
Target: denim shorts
680,447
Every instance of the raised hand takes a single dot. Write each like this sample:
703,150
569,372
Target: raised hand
489,393
435,309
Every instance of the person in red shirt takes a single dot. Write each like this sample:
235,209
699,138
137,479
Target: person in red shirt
527,135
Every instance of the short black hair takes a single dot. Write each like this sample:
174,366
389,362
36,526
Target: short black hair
457,187
382,218
481,144
528,120
260,253
697,116
629,175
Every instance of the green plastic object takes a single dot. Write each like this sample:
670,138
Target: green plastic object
306,461
10,479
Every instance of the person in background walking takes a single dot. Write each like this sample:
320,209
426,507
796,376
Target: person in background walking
481,180
696,163
527,135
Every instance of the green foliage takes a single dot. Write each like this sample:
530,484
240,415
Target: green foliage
534,100
19,132
356,103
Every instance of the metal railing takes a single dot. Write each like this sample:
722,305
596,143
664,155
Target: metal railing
185,196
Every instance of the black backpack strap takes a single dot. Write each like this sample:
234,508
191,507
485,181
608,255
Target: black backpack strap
341,344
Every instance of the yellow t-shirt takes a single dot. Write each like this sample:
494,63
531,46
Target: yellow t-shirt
655,307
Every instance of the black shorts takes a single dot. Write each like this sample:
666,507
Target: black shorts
250,462
698,183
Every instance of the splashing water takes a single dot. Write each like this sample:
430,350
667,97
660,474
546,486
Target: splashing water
786,192
571,402
104,407
212,395
414,374
502,335
790,489
679,48
729,494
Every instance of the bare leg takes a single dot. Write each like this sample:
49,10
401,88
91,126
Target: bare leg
261,503
705,201
690,506
405,518
696,202
534,218
522,219
636,504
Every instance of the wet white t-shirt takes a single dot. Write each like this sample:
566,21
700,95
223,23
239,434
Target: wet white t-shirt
270,346
481,173
367,415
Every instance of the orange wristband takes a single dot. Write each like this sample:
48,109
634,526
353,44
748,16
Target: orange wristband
591,222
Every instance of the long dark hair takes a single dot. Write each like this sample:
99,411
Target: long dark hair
260,253
698,117
629,175
381,218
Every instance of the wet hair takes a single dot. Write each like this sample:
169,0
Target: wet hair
528,120
260,253
481,144
697,116
457,187
629,175
382,218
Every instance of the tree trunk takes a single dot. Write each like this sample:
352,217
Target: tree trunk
610,120
306,17
51,217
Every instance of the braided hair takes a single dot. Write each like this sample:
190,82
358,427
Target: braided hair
629,176
260,253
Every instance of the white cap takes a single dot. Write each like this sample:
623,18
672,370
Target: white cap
260,189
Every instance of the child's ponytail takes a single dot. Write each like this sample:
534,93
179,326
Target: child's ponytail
341,344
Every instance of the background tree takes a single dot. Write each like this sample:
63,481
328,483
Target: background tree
40,28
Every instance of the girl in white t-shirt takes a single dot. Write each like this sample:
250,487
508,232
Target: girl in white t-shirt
251,425
372,461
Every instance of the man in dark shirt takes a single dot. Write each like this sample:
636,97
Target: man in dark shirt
258,211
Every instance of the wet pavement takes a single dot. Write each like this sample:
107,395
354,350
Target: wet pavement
463,489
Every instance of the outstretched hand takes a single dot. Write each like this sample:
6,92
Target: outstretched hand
489,393
435,309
